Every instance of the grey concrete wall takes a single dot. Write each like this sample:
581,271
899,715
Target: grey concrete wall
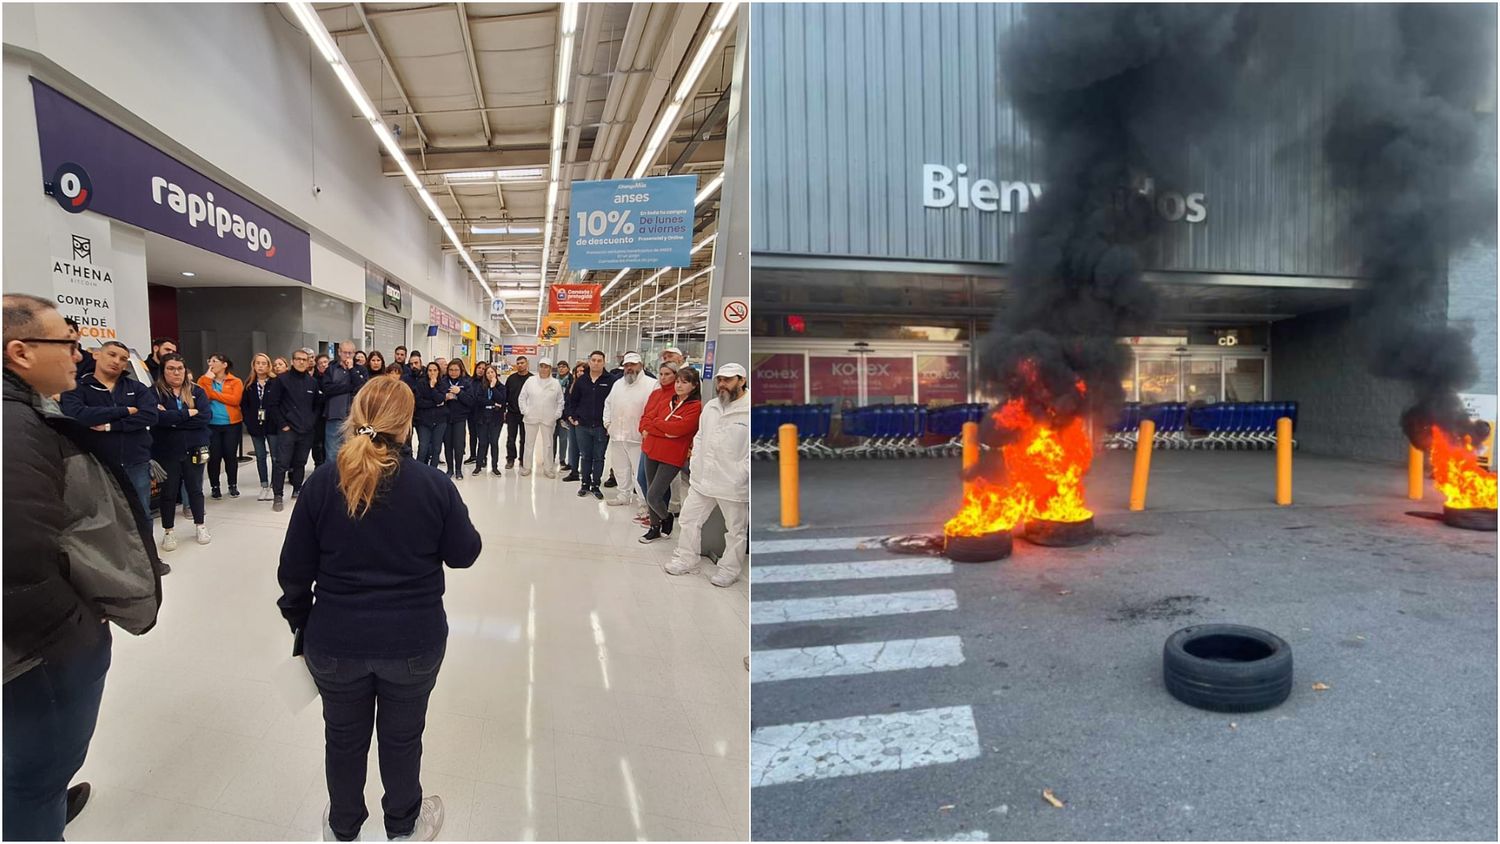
239,321
1318,361
1472,274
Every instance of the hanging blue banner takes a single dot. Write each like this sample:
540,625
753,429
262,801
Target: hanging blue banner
638,223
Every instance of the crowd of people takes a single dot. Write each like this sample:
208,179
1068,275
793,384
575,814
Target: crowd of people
86,433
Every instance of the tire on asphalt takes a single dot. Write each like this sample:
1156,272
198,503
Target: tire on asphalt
1227,667
978,549
1469,519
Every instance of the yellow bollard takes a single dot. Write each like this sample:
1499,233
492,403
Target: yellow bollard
1284,461
1414,473
791,504
1144,443
971,453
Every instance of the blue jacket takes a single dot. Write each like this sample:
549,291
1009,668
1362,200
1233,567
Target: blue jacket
292,401
176,432
461,407
430,410
128,440
338,386
250,406
586,400
490,404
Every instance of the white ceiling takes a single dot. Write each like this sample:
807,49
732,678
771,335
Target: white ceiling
168,259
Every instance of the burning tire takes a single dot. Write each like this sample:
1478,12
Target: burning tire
1059,534
978,549
1227,667
1467,519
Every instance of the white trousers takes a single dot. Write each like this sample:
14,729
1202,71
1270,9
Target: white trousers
623,458
539,444
695,511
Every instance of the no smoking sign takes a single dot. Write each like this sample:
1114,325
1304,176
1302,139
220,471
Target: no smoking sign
734,317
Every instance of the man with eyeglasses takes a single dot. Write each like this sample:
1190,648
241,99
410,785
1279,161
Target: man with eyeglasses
119,413
71,517
292,412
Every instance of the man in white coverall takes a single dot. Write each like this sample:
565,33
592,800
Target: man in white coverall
541,404
622,418
720,477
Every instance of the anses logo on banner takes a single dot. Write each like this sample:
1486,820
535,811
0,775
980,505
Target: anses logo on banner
200,209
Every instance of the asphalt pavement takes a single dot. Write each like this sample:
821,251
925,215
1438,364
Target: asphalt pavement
895,696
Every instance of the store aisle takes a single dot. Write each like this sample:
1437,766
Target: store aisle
586,694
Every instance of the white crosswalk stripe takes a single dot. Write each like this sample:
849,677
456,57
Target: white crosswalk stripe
856,570
852,606
838,543
863,658
864,744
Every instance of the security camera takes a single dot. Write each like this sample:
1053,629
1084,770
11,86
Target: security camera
396,129
317,190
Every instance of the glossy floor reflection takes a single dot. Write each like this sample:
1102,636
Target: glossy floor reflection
586,694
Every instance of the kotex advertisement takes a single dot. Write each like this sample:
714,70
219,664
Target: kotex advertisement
637,223
90,164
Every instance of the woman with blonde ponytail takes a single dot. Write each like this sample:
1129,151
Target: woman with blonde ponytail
362,584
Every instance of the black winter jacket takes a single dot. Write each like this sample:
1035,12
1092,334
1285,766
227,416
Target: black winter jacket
70,517
586,400
461,407
177,432
293,401
338,386
251,402
128,440
430,409
513,386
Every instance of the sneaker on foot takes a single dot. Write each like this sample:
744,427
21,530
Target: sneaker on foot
667,523
510,464
276,504
163,569
429,821
203,535
597,494
265,494
651,536
296,492
723,578
549,473
78,797
611,483
169,542
234,491
525,471
571,478
214,494
458,476
583,491
618,500
495,471
679,567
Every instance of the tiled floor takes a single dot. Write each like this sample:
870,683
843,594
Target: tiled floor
586,694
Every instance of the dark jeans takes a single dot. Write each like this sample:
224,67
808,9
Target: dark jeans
265,446
659,477
351,689
319,443
475,426
515,424
562,442
223,446
487,434
430,443
454,440
591,445
50,713
291,456
640,474
181,472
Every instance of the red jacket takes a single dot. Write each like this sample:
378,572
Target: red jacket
655,404
669,435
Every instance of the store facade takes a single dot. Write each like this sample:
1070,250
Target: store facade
889,187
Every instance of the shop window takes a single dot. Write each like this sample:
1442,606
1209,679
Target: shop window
1201,381
834,380
778,379
1159,380
1245,379
942,380
888,380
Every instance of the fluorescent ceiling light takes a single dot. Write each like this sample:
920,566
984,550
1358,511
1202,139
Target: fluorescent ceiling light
470,176
316,31
706,241
709,189
689,82
520,174
509,228
611,285
500,247
189,275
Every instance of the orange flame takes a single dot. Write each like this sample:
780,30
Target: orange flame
1456,473
1044,469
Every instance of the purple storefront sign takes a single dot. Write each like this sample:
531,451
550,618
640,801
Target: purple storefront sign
90,164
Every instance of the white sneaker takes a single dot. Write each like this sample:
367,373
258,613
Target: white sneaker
429,821
169,542
203,535
642,511
549,473
618,501
525,471
723,578
679,567
265,493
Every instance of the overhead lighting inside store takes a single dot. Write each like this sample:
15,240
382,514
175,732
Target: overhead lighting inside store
559,129
329,49
504,229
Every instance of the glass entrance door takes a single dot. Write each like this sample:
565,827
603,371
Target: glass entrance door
1159,379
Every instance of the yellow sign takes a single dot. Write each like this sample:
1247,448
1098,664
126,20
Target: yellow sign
554,328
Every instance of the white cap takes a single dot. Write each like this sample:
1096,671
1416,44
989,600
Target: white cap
544,362
729,370
632,358
673,349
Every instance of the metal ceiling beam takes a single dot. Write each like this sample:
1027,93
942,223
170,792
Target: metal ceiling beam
395,77
463,28
715,119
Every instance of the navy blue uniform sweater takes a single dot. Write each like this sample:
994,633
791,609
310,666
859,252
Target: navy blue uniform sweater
430,409
128,440
462,406
372,588
251,402
490,404
176,431
586,400
293,401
